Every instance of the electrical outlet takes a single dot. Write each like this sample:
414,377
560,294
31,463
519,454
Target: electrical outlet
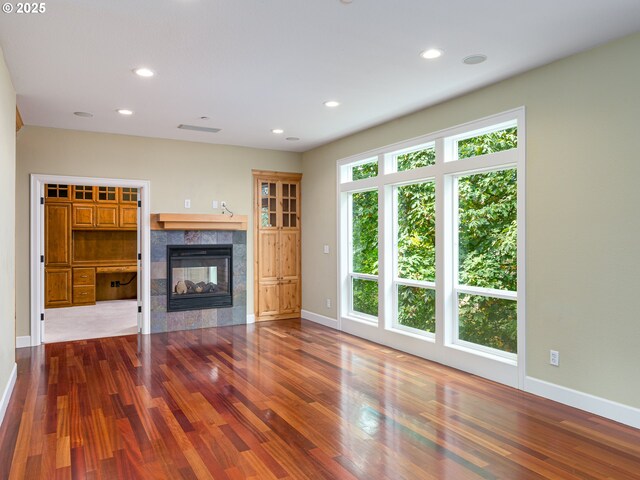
325,249
113,284
554,358
187,203
223,204
214,204
117,283
328,302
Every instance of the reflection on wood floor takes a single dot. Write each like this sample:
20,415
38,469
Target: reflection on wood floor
287,399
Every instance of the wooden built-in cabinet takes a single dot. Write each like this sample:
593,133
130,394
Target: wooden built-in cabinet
104,207
84,286
57,235
277,282
88,229
57,193
57,287
57,244
84,216
128,216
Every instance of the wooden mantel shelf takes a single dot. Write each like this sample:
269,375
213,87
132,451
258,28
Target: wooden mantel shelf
190,221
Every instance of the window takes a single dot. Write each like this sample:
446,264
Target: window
364,253
422,157
493,139
487,259
360,170
430,238
415,255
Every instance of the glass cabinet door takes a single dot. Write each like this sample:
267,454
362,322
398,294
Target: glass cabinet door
290,205
268,204
83,192
108,194
128,195
57,191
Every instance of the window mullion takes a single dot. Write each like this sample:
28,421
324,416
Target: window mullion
385,254
443,241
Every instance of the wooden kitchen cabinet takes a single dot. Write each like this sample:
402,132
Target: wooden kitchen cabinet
277,282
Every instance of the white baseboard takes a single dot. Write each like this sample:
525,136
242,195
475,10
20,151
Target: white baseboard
321,319
8,390
584,401
251,318
22,342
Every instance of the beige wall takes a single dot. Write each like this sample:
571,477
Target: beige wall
177,170
7,239
583,224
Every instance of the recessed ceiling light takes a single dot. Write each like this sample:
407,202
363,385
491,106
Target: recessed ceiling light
204,118
144,72
346,1
431,53
331,103
124,111
277,131
474,59
83,114
292,139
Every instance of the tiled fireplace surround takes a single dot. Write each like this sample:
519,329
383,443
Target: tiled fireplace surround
163,321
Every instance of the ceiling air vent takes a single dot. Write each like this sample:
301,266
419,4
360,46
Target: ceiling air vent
198,129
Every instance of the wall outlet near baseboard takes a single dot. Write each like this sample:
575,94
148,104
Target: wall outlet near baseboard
187,203
554,358
328,302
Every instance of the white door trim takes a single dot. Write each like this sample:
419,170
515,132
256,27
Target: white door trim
36,237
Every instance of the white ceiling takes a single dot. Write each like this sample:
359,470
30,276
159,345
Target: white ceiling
254,65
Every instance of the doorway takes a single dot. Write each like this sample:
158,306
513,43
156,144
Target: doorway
89,257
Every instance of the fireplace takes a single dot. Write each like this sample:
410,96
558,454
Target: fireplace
199,277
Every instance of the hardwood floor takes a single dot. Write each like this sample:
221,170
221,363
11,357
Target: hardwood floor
286,399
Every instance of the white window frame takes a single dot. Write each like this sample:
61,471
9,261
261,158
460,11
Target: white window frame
357,275
441,347
457,288
396,279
